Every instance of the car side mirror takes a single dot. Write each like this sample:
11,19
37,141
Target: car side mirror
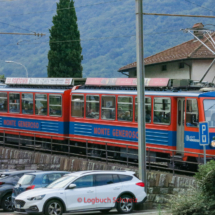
72,186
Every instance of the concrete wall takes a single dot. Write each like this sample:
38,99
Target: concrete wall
196,72
172,71
160,184
199,67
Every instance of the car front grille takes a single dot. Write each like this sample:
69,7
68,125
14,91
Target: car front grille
19,210
20,202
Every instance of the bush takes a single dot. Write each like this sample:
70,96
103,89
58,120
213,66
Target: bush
191,202
199,200
204,170
207,184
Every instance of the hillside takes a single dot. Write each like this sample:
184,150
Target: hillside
107,31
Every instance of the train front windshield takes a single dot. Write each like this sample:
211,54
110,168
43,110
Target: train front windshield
209,109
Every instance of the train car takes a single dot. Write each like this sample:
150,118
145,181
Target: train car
104,115
35,108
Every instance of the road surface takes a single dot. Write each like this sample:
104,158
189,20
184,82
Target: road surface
113,212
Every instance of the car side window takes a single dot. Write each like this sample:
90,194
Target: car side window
116,179
54,176
103,179
45,179
85,181
124,178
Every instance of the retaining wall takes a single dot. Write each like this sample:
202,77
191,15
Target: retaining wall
160,184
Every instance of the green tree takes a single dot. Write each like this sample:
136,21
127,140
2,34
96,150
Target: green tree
65,49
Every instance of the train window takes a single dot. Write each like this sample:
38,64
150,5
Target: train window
209,108
14,102
92,108
148,109
3,102
77,105
108,107
27,103
192,113
41,104
162,108
125,108
55,105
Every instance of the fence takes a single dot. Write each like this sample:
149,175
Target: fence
168,160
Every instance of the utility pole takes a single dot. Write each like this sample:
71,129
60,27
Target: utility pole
141,92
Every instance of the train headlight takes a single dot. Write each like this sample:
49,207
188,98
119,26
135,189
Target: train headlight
213,143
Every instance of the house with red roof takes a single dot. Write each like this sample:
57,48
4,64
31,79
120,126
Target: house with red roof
189,60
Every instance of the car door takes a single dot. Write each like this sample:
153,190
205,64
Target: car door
82,196
108,187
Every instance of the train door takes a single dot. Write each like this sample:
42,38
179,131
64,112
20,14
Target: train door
180,123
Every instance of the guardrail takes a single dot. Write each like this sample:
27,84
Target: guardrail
90,150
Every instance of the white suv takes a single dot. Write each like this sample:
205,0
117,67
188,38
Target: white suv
84,191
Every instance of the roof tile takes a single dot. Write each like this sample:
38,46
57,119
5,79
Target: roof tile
191,49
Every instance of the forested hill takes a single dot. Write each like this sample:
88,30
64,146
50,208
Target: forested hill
107,30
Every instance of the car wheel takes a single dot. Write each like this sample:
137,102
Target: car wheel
125,204
53,207
105,211
7,204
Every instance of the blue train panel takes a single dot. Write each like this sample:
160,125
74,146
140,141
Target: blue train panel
35,125
158,137
191,140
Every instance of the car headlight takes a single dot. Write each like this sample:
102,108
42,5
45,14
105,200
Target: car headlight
213,143
40,197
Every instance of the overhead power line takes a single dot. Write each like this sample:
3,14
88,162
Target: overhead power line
16,0
102,38
90,39
67,8
16,27
33,34
179,15
199,5
21,41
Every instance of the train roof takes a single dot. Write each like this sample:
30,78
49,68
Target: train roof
113,92
32,90
156,93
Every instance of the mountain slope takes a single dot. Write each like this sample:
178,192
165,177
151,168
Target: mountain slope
107,30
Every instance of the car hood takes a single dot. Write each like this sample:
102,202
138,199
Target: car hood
36,192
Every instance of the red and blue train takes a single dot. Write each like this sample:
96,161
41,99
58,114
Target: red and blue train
35,108
103,113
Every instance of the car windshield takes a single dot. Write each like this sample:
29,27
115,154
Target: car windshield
209,108
26,179
61,182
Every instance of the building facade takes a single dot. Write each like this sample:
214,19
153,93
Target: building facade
189,60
